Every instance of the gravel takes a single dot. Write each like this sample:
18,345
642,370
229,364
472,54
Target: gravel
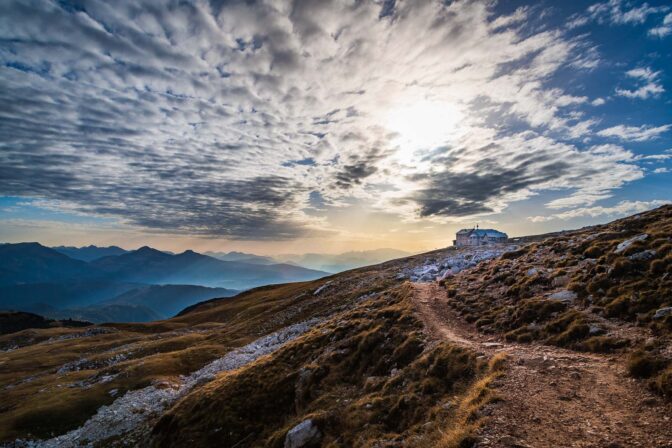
439,268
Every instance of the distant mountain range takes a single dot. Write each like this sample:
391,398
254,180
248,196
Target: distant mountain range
89,253
140,285
106,284
242,256
332,263
147,265
343,262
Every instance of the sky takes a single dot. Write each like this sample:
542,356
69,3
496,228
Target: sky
324,126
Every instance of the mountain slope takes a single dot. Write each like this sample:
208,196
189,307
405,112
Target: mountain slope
34,263
108,312
11,322
168,300
64,294
368,358
347,317
100,301
89,253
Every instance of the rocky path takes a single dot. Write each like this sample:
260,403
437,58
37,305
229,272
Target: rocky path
127,416
553,397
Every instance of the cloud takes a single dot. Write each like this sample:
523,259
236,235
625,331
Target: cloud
621,12
634,133
516,168
223,119
623,208
665,29
650,88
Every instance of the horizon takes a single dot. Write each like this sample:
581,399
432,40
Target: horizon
206,250
329,127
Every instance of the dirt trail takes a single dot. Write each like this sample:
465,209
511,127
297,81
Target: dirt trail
554,397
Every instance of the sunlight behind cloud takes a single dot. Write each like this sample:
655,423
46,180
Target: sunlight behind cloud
423,125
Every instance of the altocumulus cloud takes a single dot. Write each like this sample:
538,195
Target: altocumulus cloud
190,116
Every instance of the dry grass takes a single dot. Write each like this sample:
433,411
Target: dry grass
366,375
461,433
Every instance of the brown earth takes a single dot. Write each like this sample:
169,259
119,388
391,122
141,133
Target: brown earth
553,397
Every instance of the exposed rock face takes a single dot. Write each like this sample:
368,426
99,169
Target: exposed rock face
303,435
643,255
457,261
627,243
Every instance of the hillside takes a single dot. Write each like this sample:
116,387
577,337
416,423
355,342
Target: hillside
168,300
560,342
12,322
59,295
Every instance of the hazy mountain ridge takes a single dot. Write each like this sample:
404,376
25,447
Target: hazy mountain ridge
241,256
89,253
147,265
33,263
344,261
168,300
41,280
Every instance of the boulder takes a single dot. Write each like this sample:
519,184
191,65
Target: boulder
595,330
303,435
643,255
627,243
563,296
663,312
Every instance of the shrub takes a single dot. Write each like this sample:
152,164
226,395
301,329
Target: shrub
622,267
602,344
657,267
643,365
663,383
617,307
593,252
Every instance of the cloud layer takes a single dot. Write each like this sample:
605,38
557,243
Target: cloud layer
225,118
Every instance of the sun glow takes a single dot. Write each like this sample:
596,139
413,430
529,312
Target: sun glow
423,125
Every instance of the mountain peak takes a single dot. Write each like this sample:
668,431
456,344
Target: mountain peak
147,249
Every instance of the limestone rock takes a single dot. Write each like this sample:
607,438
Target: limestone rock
563,296
627,243
303,435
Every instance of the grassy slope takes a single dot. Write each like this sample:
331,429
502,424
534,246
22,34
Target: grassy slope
378,333
364,375
617,293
